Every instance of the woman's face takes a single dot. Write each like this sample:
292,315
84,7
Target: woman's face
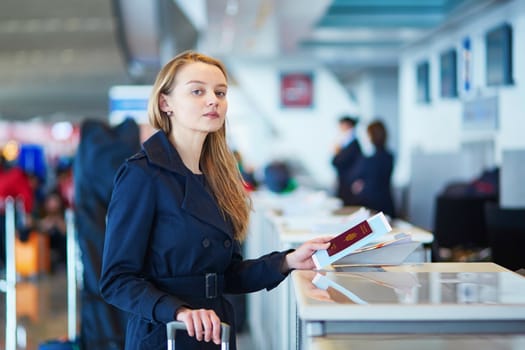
198,98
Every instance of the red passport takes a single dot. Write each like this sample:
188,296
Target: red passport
349,237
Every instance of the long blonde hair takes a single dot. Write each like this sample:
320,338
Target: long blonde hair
217,161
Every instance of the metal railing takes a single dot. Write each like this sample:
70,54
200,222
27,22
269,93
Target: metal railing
8,285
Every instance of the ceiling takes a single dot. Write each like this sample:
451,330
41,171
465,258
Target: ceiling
58,58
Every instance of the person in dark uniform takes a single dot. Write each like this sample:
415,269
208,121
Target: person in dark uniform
101,151
347,154
178,214
371,181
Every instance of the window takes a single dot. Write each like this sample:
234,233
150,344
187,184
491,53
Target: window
498,43
448,74
423,82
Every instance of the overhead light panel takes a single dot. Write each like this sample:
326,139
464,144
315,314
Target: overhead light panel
232,7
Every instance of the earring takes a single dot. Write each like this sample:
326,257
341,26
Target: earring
169,113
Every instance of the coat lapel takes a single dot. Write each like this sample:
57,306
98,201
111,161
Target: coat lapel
201,204
197,201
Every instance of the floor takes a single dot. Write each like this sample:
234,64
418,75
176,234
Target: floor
41,313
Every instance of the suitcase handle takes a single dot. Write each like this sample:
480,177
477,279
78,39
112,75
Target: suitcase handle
173,326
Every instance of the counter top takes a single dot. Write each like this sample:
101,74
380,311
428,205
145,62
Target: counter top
297,229
411,292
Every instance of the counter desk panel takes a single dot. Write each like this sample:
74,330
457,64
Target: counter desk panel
409,299
271,315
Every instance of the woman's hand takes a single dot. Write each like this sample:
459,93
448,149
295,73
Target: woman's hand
301,258
202,324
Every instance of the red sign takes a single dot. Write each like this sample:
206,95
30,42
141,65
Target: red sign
296,90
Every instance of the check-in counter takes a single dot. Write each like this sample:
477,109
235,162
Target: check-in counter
293,230
429,305
419,342
284,222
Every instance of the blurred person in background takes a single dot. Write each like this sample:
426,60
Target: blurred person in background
21,181
101,150
371,178
64,180
278,177
346,154
52,222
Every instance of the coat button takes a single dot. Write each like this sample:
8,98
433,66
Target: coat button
205,242
227,243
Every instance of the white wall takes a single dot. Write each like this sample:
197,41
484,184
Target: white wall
437,127
263,130
376,93
387,103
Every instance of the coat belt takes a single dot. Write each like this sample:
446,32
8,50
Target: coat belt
209,286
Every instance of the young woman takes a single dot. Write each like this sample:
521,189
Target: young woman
372,177
178,214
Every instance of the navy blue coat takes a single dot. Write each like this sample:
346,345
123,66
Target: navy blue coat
376,173
344,163
164,234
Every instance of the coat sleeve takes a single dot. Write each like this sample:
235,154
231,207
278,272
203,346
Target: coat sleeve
245,276
129,223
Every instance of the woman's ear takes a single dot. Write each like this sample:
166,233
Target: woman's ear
163,103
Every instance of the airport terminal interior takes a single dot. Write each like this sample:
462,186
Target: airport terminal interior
427,226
